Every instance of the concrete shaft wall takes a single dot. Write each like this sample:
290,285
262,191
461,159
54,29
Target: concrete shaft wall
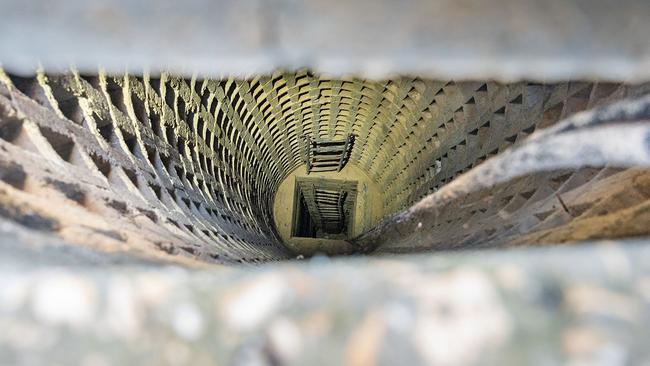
171,165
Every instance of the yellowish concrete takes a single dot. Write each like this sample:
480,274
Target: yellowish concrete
368,210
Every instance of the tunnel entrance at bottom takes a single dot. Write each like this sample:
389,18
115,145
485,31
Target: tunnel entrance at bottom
324,208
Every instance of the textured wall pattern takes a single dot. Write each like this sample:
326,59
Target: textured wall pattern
584,178
200,160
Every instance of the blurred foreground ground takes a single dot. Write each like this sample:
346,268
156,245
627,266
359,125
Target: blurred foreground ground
579,305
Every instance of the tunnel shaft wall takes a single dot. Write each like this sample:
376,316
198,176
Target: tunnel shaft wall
169,165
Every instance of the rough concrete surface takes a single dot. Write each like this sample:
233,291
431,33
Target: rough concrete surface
584,305
446,39
563,184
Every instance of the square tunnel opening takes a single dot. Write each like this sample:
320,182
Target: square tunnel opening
324,208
